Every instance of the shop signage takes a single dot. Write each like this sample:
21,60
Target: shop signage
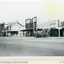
27,24
52,24
62,24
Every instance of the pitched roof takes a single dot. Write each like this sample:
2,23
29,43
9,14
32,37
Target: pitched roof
20,24
14,23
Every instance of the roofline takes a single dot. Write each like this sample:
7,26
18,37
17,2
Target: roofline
20,24
15,22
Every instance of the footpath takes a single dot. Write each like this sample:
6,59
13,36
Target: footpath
59,39
46,39
34,38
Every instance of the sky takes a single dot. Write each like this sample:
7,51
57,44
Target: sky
10,11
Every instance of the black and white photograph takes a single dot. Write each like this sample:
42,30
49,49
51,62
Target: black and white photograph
31,28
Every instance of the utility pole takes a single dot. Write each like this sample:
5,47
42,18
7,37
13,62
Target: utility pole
59,28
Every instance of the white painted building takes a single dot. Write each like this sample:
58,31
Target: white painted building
48,25
55,27
13,29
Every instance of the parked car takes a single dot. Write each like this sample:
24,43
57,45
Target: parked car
45,34
41,34
38,34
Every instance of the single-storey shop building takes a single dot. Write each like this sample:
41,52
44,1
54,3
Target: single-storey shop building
54,27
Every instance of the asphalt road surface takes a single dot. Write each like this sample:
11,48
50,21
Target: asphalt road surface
31,46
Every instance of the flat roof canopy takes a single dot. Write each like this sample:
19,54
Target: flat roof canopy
27,30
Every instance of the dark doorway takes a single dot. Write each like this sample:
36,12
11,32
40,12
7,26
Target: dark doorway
62,32
53,32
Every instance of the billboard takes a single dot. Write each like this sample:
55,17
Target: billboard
30,24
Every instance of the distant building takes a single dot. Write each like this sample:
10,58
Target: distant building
13,29
2,29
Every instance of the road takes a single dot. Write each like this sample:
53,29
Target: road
31,46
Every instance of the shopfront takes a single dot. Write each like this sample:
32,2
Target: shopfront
62,29
53,32
12,33
50,27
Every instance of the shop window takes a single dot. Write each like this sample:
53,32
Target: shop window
10,27
7,28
